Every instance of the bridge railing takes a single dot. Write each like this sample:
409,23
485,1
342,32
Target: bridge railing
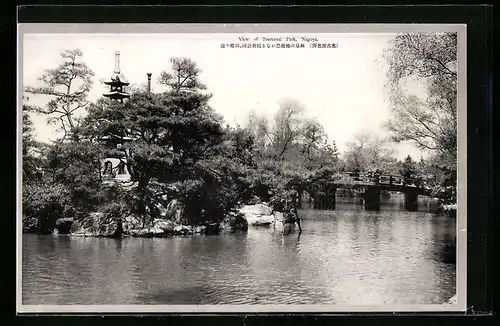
385,179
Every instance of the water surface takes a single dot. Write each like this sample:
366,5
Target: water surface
347,256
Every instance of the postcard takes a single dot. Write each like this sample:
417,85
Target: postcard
241,168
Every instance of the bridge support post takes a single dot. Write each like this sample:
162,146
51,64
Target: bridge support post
330,197
371,198
411,203
318,201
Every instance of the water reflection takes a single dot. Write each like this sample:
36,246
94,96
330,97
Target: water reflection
346,256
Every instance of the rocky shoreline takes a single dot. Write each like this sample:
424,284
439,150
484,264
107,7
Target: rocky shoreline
448,210
98,224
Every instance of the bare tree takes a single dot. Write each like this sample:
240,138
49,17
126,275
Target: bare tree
137,88
430,120
259,127
288,125
276,137
368,152
185,75
68,84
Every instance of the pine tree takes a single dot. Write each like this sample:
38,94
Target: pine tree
409,170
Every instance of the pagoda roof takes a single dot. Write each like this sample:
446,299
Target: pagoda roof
118,83
116,95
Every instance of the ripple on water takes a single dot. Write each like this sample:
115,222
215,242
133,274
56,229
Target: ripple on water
342,257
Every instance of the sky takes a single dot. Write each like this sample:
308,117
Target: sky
343,87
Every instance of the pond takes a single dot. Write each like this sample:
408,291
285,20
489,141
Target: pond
347,256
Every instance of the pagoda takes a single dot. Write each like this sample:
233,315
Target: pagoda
116,92
115,166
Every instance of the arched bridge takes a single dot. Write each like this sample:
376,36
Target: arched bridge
386,182
370,186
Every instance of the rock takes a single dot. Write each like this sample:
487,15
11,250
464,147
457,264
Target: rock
155,231
63,225
200,229
257,209
234,221
139,232
101,225
182,230
449,210
258,215
161,209
450,207
260,220
147,232
134,232
90,223
174,211
81,234
111,229
131,222
212,228
164,225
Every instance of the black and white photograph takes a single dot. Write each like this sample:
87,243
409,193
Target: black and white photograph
246,168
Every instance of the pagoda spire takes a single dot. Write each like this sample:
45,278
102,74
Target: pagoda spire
116,85
117,63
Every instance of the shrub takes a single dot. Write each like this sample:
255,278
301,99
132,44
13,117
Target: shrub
43,204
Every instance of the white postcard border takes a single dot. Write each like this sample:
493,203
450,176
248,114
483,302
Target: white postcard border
461,279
